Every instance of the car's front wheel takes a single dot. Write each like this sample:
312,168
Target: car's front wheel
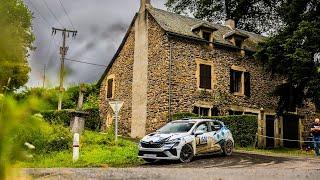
228,148
186,153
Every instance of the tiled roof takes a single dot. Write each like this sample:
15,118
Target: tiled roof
183,25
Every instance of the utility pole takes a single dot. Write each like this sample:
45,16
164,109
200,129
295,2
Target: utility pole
63,51
44,75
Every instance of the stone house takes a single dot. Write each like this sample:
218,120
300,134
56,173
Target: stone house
168,63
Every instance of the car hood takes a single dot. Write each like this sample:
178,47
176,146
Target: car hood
158,137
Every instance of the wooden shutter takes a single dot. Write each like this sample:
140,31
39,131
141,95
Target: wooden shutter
247,84
205,76
232,79
109,90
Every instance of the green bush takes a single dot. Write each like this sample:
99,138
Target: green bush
243,127
44,136
92,120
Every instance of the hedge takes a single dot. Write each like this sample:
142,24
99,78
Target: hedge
92,119
243,127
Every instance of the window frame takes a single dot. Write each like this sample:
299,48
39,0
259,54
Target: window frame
243,82
213,75
112,76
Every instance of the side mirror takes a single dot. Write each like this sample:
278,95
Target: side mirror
198,132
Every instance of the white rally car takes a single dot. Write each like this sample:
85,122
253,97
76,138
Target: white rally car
186,138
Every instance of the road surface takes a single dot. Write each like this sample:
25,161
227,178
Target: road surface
239,166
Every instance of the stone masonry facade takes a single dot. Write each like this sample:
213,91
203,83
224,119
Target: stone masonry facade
172,81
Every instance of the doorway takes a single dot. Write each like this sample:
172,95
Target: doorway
270,131
291,130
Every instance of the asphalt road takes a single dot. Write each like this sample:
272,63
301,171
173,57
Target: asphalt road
238,166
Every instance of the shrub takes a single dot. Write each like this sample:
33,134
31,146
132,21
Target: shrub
243,127
92,120
44,136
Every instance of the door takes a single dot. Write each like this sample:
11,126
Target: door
202,140
270,131
291,130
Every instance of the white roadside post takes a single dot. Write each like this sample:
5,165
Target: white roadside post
116,106
76,138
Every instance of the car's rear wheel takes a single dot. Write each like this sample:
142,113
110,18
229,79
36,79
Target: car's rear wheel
186,153
149,160
228,148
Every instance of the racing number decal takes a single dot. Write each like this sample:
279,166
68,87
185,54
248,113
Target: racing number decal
203,140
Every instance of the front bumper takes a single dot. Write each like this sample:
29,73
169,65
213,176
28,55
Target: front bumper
168,153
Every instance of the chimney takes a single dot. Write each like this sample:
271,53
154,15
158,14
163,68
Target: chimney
230,23
143,4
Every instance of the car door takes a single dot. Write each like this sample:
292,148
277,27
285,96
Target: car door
216,134
203,140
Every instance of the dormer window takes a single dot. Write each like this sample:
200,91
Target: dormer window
238,42
204,30
206,36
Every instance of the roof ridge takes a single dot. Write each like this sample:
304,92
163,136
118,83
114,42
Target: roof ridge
204,21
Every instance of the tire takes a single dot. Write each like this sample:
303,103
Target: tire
150,160
186,153
228,148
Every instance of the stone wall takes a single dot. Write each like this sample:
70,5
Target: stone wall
122,69
158,75
185,90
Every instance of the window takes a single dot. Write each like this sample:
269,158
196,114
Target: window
110,87
202,127
206,36
238,42
237,81
205,111
215,126
205,76
240,82
235,112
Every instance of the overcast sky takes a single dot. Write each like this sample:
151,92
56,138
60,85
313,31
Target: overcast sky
101,25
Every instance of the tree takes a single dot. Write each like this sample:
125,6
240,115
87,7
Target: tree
290,54
15,42
251,15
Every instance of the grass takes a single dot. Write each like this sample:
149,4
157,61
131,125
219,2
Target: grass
96,150
281,151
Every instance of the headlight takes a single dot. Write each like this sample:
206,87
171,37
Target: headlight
172,143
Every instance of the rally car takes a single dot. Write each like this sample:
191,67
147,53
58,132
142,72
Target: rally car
186,138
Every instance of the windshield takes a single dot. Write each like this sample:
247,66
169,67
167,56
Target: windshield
176,127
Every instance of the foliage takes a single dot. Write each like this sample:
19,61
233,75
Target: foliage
96,150
70,97
45,137
243,127
15,117
290,54
16,41
251,15
63,117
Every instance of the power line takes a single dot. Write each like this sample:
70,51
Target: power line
52,13
36,9
85,62
64,9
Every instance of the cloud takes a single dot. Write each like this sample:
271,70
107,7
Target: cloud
101,26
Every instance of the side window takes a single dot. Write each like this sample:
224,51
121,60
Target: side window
215,126
203,127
